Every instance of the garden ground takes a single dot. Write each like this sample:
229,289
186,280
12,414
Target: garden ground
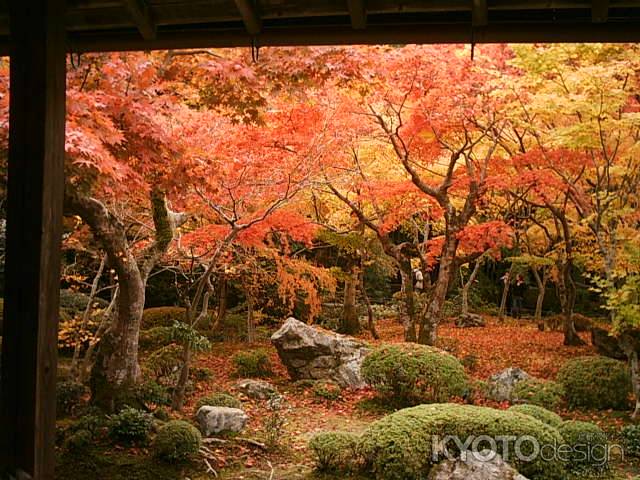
483,351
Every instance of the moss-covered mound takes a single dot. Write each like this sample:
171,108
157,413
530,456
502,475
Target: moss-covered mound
588,446
545,416
401,445
412,374
335,451
177,441
596,382
534,391
218,400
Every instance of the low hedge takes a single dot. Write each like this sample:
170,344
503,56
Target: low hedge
596,382
588,444
543,393
400,446
545,416
335,451
412,374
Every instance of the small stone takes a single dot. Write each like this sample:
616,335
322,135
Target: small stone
501,385
221,419
485,465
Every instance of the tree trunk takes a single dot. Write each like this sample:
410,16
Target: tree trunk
116,370
370,317
466,287
629,346
350,322
251,324
566,290
541,282
177,402
107,318
408,295
431,319
505,294
221,312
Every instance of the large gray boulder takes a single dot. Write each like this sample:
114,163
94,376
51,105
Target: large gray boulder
484,465
500,386
470,320
220,419
313,353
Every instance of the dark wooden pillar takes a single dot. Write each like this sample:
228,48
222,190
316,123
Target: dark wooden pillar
34,225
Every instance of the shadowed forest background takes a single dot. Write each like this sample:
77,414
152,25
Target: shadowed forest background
469,216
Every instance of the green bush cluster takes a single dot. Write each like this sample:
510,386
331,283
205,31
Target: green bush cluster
78,441
131,426
596,382
335,451
588,445
327,390
412,374
545,416
154,338
162,317
69,395
631,440
253,363
151,393
218,400
176,441
544,393
164,361
399,446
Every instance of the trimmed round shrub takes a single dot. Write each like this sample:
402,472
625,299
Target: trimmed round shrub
335,451
631,440
162,317
412,374
585,446
596,382
68,396
176,441
400,446
218,400
131,425
543,393
253,363
545,416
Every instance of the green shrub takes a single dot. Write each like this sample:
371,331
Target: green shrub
201,374
335,451
218,400
399,446
327,390
78,441
164,361
545,416
152,393
596,382
74,303
546,394
154,338
631,440
68,396
176,441
588,445
411,374
162,317
254,363
131,426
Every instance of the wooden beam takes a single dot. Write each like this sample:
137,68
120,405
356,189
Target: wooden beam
250,17
600,11
141,14
358,14
329,35
479,13
34,228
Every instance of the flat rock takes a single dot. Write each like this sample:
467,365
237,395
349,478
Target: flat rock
501,385
313,353
470,320
257,389
220,419
485,465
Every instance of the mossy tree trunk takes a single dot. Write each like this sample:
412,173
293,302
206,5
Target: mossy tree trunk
350,323
116,370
